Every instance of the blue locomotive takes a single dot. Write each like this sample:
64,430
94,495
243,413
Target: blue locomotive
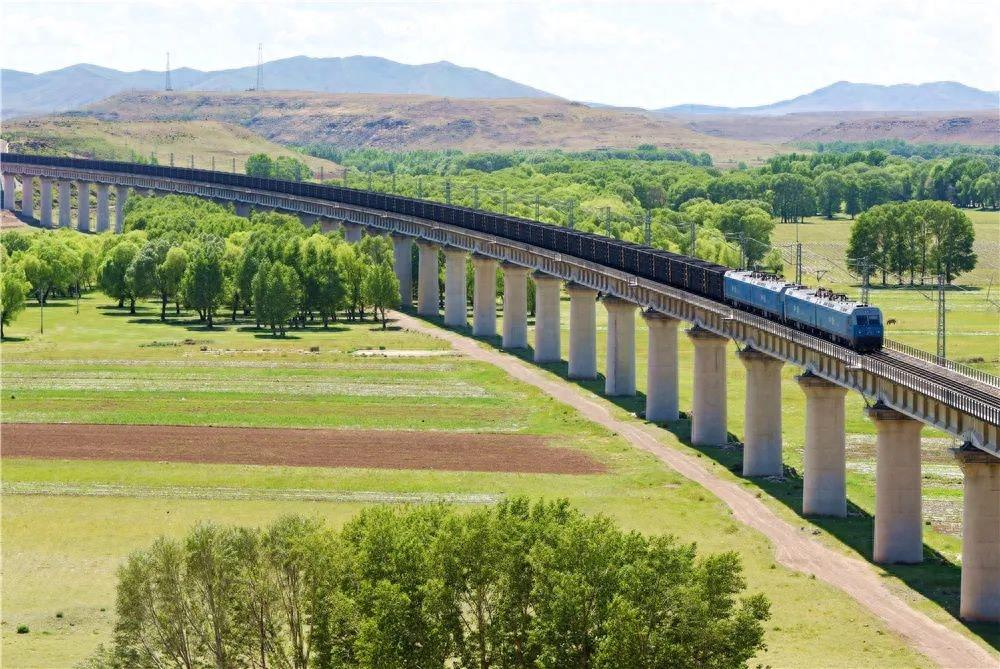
817,311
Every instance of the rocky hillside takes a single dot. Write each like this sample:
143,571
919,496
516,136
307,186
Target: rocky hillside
401,122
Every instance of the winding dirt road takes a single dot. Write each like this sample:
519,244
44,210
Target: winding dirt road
793,549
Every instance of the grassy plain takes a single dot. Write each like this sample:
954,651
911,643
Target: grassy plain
67,525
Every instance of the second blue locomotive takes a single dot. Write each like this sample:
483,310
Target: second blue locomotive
814,310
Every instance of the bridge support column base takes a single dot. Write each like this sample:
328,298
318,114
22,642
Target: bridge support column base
762,425
980,599
353,232
102,208
662,405
455,312
64,193
484,297
45,208
824,491
708,412
9,190
582,331
28,197
898,522
515,306
619,372
547,316
428,286
83,206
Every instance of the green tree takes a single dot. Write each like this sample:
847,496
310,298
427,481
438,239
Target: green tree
112,273
203,283
381,289
13,290
169,275
277,292
794,197
829,192
352,275
260,165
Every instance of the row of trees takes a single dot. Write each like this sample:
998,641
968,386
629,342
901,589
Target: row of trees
911,241
282,167
516,585
190,252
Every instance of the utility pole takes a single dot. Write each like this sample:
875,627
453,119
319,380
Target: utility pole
537,203
345,177
475,197
607,221
213,163
447,191
570,207
393,183
866,280
692,239
504,203
941,342
371,183
260,67
648,228
743,251
192,161
171,158
798,263
169,86
420,187
234,165
321,174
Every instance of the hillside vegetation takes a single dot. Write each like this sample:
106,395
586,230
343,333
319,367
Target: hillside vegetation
974,127
407,122
143,140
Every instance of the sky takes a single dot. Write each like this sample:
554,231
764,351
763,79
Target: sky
648,54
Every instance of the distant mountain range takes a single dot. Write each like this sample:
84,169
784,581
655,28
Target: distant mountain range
846,96
73,87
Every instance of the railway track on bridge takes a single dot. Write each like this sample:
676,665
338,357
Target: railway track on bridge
967,386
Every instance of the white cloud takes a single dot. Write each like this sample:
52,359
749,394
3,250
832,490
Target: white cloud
641,53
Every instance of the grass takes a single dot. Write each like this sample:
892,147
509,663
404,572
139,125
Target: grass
60,551
125,140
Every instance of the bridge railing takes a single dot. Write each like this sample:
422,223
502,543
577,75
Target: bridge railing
958,367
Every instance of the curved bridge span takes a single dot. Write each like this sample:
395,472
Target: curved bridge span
903,388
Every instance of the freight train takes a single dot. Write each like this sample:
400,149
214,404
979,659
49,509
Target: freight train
816,311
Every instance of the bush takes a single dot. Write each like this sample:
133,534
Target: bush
22,629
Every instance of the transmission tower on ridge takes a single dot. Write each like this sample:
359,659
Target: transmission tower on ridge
260,67
169,86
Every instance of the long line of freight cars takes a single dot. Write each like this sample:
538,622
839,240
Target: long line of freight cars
829,315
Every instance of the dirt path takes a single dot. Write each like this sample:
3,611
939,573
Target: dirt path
792,548
380,449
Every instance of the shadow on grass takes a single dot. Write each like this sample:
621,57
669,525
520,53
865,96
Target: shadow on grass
14,340
937,578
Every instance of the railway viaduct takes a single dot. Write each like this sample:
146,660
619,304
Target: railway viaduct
903,388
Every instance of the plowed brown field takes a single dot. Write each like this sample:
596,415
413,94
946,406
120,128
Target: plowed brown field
449,451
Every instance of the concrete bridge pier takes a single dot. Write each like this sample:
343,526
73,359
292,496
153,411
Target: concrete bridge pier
28,197
708,412
484,296
662,405
980,595
619,372
307,219
823,486
353,232
402,263
242,209
65,203
103,218
45,208
898,521
428,286
9,188
121,197
547,328
582,331
83,206
515,306
762,424
455,312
